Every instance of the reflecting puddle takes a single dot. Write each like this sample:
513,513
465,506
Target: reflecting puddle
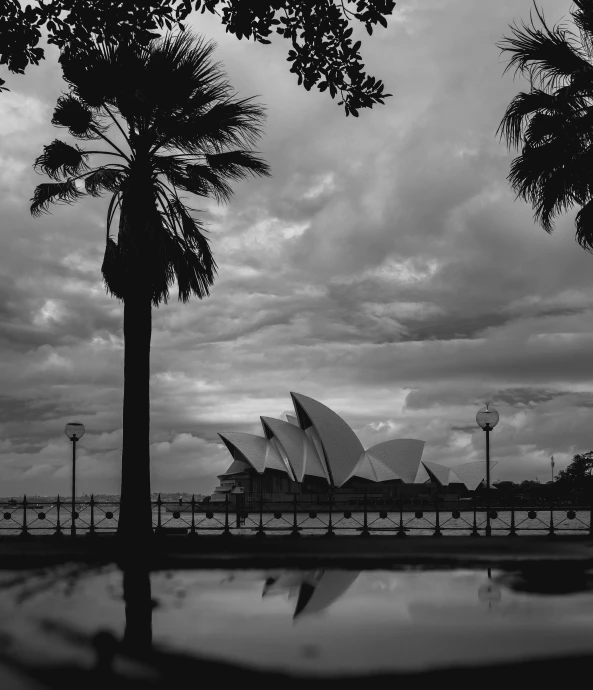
300,622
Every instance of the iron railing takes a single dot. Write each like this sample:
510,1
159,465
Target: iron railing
295,517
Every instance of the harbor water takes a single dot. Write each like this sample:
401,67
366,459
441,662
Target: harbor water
298,622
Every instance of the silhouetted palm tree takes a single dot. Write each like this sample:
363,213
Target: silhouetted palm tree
178,128
553,122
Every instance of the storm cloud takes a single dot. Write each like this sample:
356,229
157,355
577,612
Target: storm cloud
384,269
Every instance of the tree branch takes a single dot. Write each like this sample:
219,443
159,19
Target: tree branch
96,131
118,126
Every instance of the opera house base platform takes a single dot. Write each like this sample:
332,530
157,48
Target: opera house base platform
178,551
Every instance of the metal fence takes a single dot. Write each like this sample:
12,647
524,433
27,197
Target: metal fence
295,518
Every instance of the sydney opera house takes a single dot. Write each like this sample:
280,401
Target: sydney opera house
312,451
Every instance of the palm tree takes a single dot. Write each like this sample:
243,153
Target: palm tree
553,122
178,128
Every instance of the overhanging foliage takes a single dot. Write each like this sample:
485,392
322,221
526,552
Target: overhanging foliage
320,32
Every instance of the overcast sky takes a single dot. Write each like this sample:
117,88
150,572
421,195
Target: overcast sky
385,270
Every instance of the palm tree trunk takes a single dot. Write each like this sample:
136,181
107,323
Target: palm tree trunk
135,519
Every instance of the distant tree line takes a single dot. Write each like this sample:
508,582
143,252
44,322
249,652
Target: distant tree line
578,473
577,477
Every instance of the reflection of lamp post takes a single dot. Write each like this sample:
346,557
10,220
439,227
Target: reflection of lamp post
490,591
487,418
74,431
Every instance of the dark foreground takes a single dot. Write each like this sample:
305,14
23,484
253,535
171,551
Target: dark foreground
102,659
157,670
182,551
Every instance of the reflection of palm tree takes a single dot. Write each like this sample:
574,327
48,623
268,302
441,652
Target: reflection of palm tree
138,599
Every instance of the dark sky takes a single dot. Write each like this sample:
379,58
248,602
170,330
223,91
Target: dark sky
385,270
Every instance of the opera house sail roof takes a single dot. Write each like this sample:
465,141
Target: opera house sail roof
470,474
316,442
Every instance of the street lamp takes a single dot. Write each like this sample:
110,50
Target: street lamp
487,418
74,431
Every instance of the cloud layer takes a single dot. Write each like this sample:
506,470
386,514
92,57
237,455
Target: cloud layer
385,269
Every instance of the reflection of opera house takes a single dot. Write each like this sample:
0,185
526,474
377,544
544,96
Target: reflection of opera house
313,451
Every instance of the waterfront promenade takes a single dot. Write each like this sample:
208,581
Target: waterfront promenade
242,551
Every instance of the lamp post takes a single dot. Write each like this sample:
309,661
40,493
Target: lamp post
74,431
487,418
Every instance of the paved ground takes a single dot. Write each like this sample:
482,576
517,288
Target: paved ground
279,551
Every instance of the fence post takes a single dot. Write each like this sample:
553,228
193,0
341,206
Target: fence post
437,526
226,532
58,532
365,528
330,530
260,530
192,529
24,531
475,532
295,525
91,532
159,504
551,533
401,532
513,532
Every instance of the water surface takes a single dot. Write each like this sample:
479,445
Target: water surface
302,622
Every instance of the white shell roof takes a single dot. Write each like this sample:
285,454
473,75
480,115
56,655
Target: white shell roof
402,456
440,472
341,445
328,448
317,466
299,449
370,467
236,467
290,417
472,474
257,450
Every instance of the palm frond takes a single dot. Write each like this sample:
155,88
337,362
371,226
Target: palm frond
544,176
547,55
77,117
168,165
202,180
583,18
554,197
114,204
114,270
104,179
584,226
61,160
180,69
193,232
193,271
231,123
54,193
236,165
520,109
208,179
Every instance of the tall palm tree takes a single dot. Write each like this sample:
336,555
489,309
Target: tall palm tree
553,122
178,128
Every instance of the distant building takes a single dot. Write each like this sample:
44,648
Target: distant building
313,451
